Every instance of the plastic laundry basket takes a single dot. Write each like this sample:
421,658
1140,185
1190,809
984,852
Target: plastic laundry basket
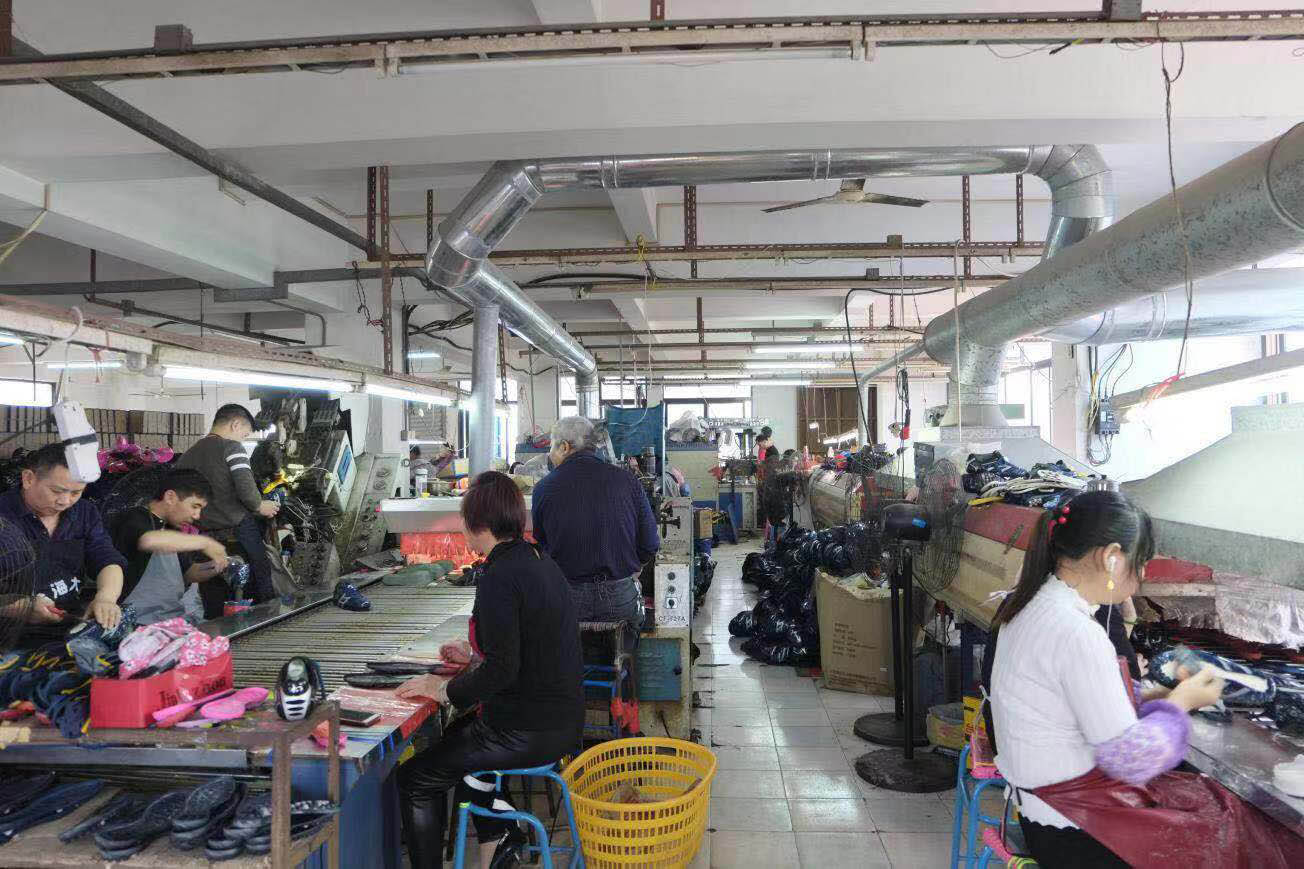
667,832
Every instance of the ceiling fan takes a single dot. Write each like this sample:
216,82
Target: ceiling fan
853,191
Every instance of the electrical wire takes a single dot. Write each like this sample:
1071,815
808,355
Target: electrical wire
1170,79
12,244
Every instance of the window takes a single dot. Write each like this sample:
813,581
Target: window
26,393
834,412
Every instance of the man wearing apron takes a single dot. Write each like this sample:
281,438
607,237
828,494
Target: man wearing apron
70,547
161,566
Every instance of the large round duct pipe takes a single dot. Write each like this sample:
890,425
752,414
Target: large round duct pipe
1244,211
1241,302
484,388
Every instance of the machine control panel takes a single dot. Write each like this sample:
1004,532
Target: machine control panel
673,594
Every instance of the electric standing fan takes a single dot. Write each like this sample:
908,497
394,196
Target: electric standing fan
17,583
943,496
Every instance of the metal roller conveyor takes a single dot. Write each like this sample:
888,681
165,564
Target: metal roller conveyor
343,642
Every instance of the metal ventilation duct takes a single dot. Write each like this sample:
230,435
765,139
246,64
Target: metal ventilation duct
1240,213
1081,202
1241,302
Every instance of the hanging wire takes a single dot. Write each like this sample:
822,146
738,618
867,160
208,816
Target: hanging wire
1170,79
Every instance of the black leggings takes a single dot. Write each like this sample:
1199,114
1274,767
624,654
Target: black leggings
469,745
1067,848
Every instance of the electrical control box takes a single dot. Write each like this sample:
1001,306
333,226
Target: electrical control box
673,591
1106,418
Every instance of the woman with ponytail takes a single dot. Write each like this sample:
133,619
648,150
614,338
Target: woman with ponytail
1089,769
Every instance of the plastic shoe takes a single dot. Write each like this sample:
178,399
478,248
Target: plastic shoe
118,809
375,681
54,803
193,837
347,597
203,801
154,820
399,668
15,797
235,705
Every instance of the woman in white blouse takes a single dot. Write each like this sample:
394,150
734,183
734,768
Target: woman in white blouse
1087,769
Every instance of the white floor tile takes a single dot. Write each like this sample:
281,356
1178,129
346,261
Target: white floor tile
742,735
819,784
746,757
805,736
749,783
832,850
917,850
895,815
751,850
750,815
830,816
740,717
799,716
806,757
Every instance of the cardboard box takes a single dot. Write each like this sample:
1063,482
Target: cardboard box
855,634
705,519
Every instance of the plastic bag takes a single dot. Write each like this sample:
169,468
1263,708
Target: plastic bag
743,624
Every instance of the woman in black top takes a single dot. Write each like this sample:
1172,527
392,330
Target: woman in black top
525,673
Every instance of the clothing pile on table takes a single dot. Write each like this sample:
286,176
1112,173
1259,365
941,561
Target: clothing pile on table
783,627
989,477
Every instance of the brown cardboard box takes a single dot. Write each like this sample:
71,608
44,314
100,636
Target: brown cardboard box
705,518
855,634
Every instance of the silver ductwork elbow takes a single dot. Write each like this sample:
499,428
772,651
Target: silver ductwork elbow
480,222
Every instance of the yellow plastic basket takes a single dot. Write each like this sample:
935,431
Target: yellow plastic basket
664,833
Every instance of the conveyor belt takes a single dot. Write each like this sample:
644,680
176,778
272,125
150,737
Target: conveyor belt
343,642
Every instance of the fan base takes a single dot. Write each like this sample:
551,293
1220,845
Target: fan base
884,728
925,773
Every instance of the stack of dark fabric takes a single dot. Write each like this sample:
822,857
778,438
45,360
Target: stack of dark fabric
783,628
1046,484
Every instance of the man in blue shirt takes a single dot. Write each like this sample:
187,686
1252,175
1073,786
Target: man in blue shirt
70,544
595,521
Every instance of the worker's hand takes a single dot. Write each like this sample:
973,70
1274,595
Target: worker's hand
216,553
1196,692
268,509
424,688
459,652
106,612
44,612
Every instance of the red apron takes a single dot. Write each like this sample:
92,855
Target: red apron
1176,820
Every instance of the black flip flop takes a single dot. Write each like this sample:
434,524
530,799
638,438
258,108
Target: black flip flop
154,820
379,681
119,808
203,801
399,668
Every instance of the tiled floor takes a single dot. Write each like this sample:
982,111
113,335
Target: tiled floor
786,794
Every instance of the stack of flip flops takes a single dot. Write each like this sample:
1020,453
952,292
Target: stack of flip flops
208,808
46,682
250,829
416,575
132,833
30,801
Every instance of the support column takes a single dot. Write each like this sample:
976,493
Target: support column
484,385
1068,399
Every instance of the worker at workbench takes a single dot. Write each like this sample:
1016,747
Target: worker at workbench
1089,769
237,508
70,544
595,521
524,669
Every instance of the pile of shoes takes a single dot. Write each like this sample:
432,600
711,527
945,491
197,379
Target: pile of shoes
28,801
1049,485
132,833
249,830
782,628
47,683
702,578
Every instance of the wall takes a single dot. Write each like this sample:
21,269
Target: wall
779,403
924,393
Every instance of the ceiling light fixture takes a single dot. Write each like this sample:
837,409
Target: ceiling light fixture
845,436
808,348
675,58
780,382
414,395
794,364
423,354
254,378
6,338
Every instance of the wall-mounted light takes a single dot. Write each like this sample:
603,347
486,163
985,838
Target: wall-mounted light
254,378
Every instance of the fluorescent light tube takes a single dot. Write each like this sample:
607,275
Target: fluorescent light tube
780,383
26,393
671,58
412,395
6,338
813,426
807,348
792,364
254,378
77,366
422,354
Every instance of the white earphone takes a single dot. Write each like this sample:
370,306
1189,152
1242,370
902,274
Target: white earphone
1109,565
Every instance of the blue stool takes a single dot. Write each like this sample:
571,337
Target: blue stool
968,814
543,848
609,678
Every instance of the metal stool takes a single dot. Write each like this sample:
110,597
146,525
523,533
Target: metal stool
608,677
543,848
969,787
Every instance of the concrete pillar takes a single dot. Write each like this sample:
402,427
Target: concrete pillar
1068,399
484,388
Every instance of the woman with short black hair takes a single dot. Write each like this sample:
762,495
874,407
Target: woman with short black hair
525,671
